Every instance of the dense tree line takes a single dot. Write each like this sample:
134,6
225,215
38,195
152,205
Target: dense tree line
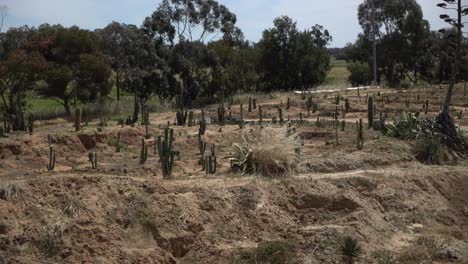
408,50
183,51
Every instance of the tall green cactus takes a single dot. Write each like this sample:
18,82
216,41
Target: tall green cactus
260,115
359,135
143,152
288,105
117,143
250,104
254,103
202,128
191,118
166,154
202,148
241,124
77,119
347,106
370,111
181,117
211,163
51,165
280,114
31,123
92,156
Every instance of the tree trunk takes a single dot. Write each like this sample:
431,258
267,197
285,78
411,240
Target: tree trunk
118,85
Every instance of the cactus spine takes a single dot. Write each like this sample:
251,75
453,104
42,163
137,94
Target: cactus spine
370,111
359,135
92,156
166,154
77,119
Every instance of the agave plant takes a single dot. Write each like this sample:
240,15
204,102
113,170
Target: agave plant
350,249
405,126
242,158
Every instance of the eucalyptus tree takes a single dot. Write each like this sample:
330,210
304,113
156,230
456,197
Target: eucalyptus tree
401,31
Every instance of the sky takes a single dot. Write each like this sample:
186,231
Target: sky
338,16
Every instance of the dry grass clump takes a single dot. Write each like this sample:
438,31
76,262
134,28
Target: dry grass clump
270,152
9,192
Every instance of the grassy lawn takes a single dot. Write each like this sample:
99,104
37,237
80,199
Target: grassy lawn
338,75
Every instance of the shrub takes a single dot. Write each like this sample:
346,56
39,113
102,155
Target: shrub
359,73
52,243
350,249
430,149
405,126
273,252
9,192
270,152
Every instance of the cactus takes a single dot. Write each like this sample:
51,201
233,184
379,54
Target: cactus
202,148
301,119
280,114
117,144
288,104
359,135
241,124
337,99
77,119
250,104
343,125
370,111
210,163
166,154
343,112
181,117
31,123
221,113
336,131
143,152
2,132
427,107
314,108
347,106
254,103
51,165
190,118
317,123
92,156
202,128
460,114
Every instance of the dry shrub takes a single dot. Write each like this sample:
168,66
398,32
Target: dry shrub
269,152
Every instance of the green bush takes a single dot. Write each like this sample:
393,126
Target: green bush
430,149
359,73
405,126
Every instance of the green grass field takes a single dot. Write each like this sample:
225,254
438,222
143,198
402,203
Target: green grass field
338,75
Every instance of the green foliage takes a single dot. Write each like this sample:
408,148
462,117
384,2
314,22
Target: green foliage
350,249
181,117
242,158
431,149
359,73
291,59
405,126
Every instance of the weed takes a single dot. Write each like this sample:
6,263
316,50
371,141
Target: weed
52,243
9,192
273,252
350,249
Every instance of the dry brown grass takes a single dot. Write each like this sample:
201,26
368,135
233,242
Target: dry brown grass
274,151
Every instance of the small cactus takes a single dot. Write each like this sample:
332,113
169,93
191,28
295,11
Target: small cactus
427,107
31,123
370,111
280,114
92,156
343,125
347,106
314,108
250,104
359,135
77,119
143,152
181,117
190,118
202,128
117,143
241,124
288,104
202,148
51,165
254,101
210,162
260,115
221,113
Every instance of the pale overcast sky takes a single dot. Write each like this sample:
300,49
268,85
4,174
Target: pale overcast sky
338,16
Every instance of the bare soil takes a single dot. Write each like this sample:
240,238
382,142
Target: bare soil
125,212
